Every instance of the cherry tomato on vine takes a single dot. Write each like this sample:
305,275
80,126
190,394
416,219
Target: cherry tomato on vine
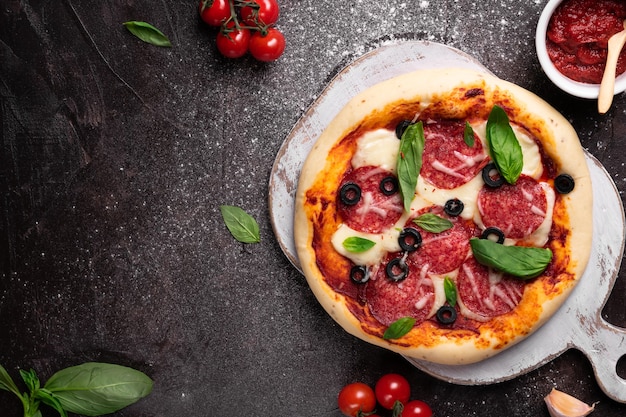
269,46
232,42
392,388
355,399
266,14
416,408
216,13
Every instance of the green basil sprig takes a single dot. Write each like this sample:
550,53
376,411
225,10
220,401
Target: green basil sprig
399,328
357,244
147,33
90,389
449,288
409,161
468,134
519,261
504,147
433,223
240,224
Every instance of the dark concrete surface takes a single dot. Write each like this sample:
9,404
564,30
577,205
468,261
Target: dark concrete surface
115,157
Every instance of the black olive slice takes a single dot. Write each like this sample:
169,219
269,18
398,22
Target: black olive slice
493,231
494,181
446,315
454,207
350,193
359,274
397,269
564,183
401,127
389,185
410,239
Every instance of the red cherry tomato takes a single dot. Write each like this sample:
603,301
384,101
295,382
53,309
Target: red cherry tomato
232,42
216,13
416,408
267,47
355,399
392,389
266,14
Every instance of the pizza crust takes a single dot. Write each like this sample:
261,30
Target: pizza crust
441,93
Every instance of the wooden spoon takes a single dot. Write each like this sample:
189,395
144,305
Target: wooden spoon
605,96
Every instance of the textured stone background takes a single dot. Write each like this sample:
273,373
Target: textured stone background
115,157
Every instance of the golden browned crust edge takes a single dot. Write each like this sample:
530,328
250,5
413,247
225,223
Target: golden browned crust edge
560,142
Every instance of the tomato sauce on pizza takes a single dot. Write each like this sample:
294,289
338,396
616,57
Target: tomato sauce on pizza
474,258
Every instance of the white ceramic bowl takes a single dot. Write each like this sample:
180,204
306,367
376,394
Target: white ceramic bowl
575,88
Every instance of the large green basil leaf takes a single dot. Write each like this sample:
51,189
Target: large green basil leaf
94,389
7,384
409,162
148,33
241,225
504,147
519,261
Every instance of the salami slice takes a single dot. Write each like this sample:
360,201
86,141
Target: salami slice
445,251
485,292
368,199
390,300
448,162
518,210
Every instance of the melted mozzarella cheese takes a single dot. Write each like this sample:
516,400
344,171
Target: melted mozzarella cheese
384,242
377,148
380,148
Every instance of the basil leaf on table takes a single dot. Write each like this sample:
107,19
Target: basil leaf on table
399,328
449,288
356,244
504,147
147,33
47,398
519,261
7,383
30,379
433,223
468,134
409,162
241,225
94,389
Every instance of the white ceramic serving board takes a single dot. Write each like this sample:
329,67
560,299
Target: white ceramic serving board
577,324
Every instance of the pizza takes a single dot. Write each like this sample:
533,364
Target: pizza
444,214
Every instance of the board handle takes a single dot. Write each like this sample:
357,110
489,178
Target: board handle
605,346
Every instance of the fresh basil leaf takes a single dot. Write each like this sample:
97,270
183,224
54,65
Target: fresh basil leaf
504,147
409,162
147,33
356,244
49,399
449,288
468,134
30,379
241,225
7,384
399,328
94,389
519,261
433,223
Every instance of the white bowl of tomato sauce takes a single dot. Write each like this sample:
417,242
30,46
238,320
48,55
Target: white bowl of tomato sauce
571,43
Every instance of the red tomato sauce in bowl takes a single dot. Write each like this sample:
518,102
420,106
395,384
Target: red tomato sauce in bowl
578,34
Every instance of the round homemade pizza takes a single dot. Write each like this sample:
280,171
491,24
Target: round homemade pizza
444,214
